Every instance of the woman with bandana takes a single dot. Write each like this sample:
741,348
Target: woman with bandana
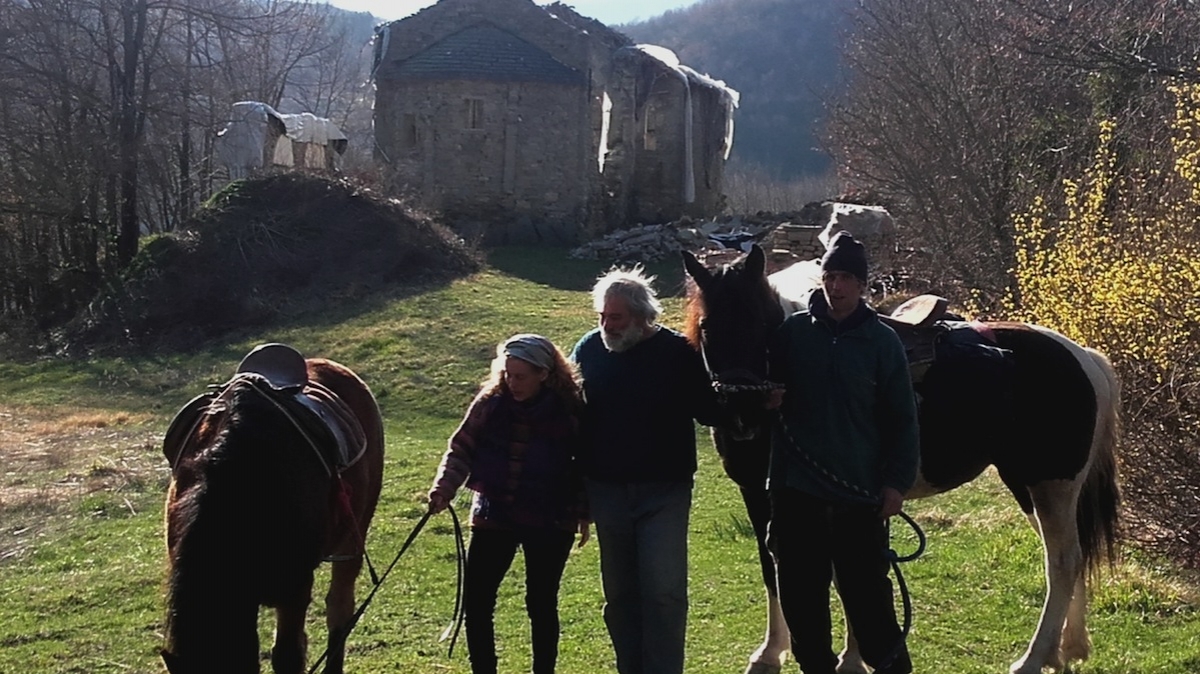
516,449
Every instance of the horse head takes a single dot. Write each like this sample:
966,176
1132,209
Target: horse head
732,312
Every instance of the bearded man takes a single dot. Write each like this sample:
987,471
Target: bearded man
643,386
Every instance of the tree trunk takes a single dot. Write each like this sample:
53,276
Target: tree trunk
133,19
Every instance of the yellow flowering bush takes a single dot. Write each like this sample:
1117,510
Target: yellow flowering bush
1112,268
1111,258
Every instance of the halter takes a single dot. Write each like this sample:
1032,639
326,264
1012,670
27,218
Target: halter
721,387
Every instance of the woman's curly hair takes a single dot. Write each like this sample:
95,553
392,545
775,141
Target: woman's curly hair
563,379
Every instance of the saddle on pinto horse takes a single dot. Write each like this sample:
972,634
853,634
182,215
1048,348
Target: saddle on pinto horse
279,373
929,332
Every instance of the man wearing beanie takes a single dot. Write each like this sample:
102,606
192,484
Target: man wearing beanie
842,455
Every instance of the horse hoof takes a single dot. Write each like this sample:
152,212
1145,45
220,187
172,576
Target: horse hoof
762,668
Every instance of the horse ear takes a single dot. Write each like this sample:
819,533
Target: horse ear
699,273
756,261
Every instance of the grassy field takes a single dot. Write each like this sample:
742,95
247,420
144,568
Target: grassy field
82,561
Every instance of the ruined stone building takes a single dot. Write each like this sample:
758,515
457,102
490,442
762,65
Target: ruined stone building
543,123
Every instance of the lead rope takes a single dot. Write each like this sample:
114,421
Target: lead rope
456,620
895,559
344,632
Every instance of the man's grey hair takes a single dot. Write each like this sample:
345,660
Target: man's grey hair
633,286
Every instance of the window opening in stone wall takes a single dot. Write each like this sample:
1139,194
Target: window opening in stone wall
474,113
650,128
606,106
409,138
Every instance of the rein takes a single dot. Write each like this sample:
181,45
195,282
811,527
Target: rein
895,559
456,620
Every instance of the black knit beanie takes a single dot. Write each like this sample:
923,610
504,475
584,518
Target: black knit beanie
846,254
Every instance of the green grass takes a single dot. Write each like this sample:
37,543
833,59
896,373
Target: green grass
82,561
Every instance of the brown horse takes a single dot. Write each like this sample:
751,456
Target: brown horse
258,497
1046,414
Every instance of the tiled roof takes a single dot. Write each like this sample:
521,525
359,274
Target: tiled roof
485,52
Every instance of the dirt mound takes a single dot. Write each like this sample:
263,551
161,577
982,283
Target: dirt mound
265,248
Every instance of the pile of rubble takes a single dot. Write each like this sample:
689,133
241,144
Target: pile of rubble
786,237
647,243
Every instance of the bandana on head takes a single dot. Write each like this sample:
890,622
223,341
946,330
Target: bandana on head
533,349
846,254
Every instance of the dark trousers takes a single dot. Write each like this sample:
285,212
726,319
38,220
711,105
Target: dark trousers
489,554
813,539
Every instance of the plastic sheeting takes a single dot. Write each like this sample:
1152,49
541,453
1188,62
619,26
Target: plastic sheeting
605,120
240,145
306,127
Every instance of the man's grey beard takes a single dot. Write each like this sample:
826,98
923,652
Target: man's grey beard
624,340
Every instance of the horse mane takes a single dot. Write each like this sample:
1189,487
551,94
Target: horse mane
234,453
694,312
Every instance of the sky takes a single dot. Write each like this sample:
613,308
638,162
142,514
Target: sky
610,12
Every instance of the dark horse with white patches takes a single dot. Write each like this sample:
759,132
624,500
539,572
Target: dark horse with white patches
1048,421
275,472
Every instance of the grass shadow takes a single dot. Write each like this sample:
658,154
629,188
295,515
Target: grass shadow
552,266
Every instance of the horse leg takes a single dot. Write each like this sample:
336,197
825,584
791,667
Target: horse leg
1054,503
771,655
773,652
850,660
1076,644
339,609
291,642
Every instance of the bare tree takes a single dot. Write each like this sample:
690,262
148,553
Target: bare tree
942,116
108,118
974,115
960,112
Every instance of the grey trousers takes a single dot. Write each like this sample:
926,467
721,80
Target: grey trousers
642,530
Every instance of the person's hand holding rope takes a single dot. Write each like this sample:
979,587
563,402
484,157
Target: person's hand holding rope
437,502
892,502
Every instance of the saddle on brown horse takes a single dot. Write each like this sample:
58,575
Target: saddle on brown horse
278,372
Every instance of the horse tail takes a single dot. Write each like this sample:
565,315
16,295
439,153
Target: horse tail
1098,509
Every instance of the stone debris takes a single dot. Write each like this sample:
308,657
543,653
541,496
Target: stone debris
786,237
719,241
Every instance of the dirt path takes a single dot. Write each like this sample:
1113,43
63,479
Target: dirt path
51,459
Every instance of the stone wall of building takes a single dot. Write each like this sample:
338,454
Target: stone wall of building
513,145
650,149
537,151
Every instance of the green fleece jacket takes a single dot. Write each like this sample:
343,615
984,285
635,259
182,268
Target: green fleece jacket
848,422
